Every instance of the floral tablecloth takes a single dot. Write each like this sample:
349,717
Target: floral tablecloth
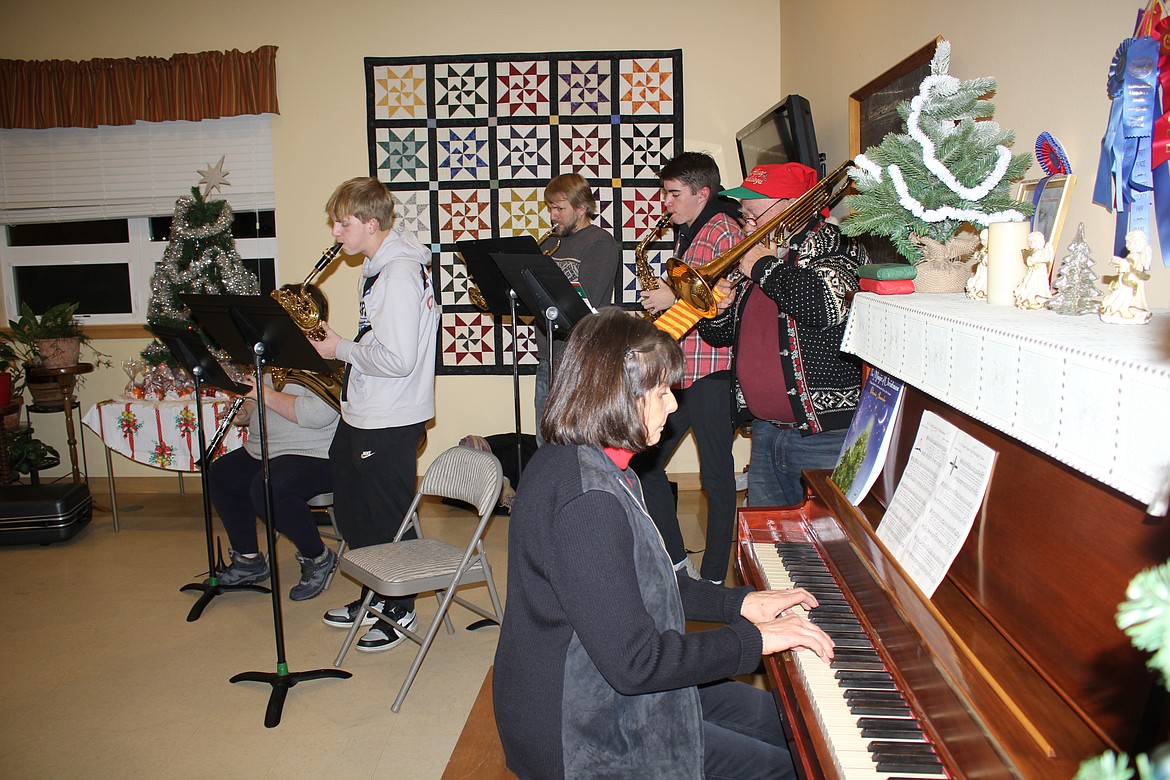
160,433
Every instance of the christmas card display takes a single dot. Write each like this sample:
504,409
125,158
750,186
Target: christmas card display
868,440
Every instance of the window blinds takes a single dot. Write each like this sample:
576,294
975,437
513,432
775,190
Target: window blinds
67,174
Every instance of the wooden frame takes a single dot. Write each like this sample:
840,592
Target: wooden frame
1052,205
873,112
873,108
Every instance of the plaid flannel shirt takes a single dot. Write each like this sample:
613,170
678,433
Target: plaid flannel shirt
720,234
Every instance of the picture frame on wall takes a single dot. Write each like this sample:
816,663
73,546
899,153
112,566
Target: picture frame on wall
1049,196
873,113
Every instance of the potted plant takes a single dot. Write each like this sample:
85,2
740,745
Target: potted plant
52,340
27,454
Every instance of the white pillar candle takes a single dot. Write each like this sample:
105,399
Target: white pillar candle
1006,242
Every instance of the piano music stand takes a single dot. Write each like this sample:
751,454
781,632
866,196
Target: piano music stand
256,328
192,354
501,300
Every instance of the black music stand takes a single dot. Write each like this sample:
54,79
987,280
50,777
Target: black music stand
188,348
545,289
501,301
256,328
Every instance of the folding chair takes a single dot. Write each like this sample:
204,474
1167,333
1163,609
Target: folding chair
412,566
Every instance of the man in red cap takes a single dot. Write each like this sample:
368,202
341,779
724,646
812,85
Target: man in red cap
789,376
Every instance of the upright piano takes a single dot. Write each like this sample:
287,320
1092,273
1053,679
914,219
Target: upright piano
1015,666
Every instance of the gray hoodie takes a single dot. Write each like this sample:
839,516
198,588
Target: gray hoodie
392,382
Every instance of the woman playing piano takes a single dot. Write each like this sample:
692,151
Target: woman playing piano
595,673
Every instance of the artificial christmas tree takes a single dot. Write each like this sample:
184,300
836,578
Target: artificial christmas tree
1076,292
201,256
951,166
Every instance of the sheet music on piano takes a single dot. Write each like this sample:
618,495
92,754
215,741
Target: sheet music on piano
934,506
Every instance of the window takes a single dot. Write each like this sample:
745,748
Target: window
106,265
86,212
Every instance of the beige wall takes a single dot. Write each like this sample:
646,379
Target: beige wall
320,135
1051,61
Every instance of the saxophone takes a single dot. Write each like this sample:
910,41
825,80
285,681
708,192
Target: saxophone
647,280
304,312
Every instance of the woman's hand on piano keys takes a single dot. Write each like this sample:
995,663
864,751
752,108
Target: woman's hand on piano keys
765,605
793,632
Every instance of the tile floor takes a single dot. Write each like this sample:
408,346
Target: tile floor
101,675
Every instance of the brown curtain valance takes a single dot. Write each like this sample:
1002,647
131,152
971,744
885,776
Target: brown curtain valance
208,85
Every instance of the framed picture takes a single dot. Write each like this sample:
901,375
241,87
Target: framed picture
873,109
1051,203
873,113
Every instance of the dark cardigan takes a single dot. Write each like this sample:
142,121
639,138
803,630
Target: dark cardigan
824,384
595,674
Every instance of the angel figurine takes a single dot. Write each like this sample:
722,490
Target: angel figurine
976,287
1125,303
1034,290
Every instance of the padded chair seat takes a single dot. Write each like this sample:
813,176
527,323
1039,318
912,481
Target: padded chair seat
417,564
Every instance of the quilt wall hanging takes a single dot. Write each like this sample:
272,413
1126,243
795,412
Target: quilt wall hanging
467,144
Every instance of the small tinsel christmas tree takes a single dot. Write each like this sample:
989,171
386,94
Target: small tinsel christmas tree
201,257
952,165
1076,292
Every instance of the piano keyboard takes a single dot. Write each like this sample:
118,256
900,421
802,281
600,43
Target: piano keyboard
870,730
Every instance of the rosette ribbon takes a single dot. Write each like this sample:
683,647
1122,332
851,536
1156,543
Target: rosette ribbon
1125,178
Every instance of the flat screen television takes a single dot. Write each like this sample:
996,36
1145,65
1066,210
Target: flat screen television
783,133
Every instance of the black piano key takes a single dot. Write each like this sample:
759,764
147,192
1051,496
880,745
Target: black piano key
918,770
869,685
858,666
899,725
881,732
907,760
873,697
846,640
851,676
900,748
881,711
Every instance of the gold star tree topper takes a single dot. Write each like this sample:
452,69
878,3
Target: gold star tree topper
214,177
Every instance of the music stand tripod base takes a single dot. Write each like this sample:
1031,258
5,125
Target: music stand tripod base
281,680
211,590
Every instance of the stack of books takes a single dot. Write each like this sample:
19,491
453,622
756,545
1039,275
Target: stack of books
887,278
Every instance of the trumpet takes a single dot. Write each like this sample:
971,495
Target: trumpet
695,286
552,233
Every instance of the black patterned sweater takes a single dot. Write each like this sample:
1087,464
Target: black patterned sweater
809,284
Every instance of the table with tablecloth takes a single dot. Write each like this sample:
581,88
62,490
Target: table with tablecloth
159,433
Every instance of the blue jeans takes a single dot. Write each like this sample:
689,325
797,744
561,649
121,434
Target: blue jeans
743,738
778,457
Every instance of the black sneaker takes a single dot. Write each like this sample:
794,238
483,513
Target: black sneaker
343,617
314,574
383,636
242,571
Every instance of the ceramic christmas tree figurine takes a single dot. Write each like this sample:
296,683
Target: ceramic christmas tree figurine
1033,291
1076,291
